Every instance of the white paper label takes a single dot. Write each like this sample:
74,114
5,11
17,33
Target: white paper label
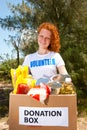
48,116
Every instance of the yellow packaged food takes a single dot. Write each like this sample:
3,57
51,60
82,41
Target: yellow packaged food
20,75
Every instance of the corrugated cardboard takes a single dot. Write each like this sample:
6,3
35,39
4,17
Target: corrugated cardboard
54,101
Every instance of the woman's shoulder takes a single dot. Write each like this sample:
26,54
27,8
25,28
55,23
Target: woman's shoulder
55,53
31,54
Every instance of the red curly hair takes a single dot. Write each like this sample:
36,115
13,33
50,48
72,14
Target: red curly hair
55,40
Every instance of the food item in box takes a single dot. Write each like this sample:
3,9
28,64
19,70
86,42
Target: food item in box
55,87
63,84
42,80
41,93
19,71
15,73
67,88
20,76
22,88
60,77
27,80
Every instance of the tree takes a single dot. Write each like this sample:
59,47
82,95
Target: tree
70,17
15,41
28,41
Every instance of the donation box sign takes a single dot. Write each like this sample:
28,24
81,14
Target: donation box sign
47,116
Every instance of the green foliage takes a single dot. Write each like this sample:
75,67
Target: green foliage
31,48
3,110
70,16
4,101
5,68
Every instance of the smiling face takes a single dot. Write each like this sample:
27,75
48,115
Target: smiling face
44,38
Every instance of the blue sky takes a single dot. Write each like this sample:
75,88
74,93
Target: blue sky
5,11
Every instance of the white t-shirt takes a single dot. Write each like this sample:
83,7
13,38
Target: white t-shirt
43,66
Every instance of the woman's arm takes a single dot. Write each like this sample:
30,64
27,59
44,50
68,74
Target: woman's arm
62,70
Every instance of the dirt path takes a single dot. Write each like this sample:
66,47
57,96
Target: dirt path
81,123
4,123
5,84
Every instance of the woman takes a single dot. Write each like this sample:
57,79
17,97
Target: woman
47,61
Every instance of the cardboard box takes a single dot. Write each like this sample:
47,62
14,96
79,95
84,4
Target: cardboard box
26,113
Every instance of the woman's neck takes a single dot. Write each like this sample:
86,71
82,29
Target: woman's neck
43,51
